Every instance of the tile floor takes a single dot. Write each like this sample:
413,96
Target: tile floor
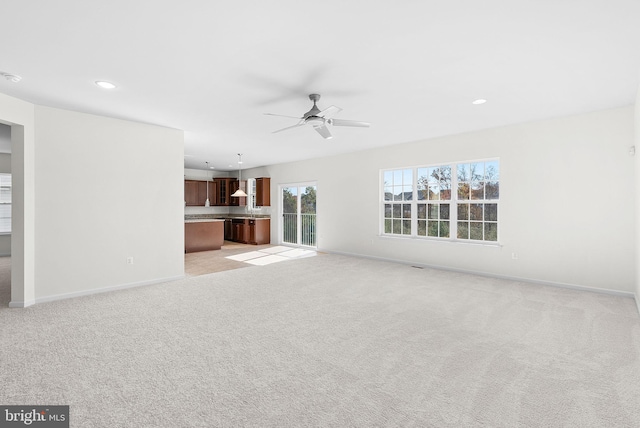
233,255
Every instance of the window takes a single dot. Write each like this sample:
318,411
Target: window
434,200
454,202
5,203
251,193
398,192
478,190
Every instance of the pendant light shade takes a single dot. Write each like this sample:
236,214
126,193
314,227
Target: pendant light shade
239,193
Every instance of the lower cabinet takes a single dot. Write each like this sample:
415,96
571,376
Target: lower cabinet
203,236
259,231
254,231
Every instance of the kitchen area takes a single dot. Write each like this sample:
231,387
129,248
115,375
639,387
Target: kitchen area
223,208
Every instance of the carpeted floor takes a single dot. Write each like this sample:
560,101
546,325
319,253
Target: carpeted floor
329,341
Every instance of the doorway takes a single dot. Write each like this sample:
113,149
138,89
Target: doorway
299,219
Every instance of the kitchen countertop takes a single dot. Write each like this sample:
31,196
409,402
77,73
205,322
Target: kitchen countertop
190,218
201,220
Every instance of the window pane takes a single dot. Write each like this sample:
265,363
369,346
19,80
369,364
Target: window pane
397,191
422,228
490,231
387,210
407,193
387,226
434,192
444,229
463,172
422,183
434,175
492,171
463,230
445,194
463,211
406,227
396,210
475,230
433,211
475,212
463,191
406,210
388,193
422,211
397,177
407,178
492,190
433,228
477,190
477,171
397,226
491,212
388,178
444,211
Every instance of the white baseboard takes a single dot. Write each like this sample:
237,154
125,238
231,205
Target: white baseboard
21,304
498,276
64,296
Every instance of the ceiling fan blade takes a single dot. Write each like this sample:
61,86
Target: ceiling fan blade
329,112
324,131
343,122
282,115
289,127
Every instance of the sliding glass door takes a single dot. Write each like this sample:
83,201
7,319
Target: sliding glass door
299,215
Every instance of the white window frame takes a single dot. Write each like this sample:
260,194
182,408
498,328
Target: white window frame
453,203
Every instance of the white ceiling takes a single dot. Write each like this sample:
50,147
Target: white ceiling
410,67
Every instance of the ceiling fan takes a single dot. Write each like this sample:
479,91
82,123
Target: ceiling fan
319,119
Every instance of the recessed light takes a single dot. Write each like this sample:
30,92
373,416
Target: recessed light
105,85
479,101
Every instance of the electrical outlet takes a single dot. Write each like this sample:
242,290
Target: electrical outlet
129,260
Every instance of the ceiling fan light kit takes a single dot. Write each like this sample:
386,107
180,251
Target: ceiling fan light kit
319,119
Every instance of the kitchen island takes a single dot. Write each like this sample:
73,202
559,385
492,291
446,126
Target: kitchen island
203,234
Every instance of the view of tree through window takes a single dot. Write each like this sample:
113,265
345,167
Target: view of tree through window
458,201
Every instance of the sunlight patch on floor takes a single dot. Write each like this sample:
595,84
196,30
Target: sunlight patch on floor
272,255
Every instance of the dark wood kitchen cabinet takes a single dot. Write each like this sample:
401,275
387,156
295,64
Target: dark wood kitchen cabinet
258,231
241,201
223,191
190,192
195,193
263,192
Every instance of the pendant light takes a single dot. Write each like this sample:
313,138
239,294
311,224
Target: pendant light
239,193
206,203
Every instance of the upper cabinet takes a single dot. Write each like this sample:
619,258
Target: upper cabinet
238,201
263,192
221,189
195,193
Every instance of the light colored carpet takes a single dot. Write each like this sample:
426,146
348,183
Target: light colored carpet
330,341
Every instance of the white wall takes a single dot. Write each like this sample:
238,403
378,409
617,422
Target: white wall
106,190
567,200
